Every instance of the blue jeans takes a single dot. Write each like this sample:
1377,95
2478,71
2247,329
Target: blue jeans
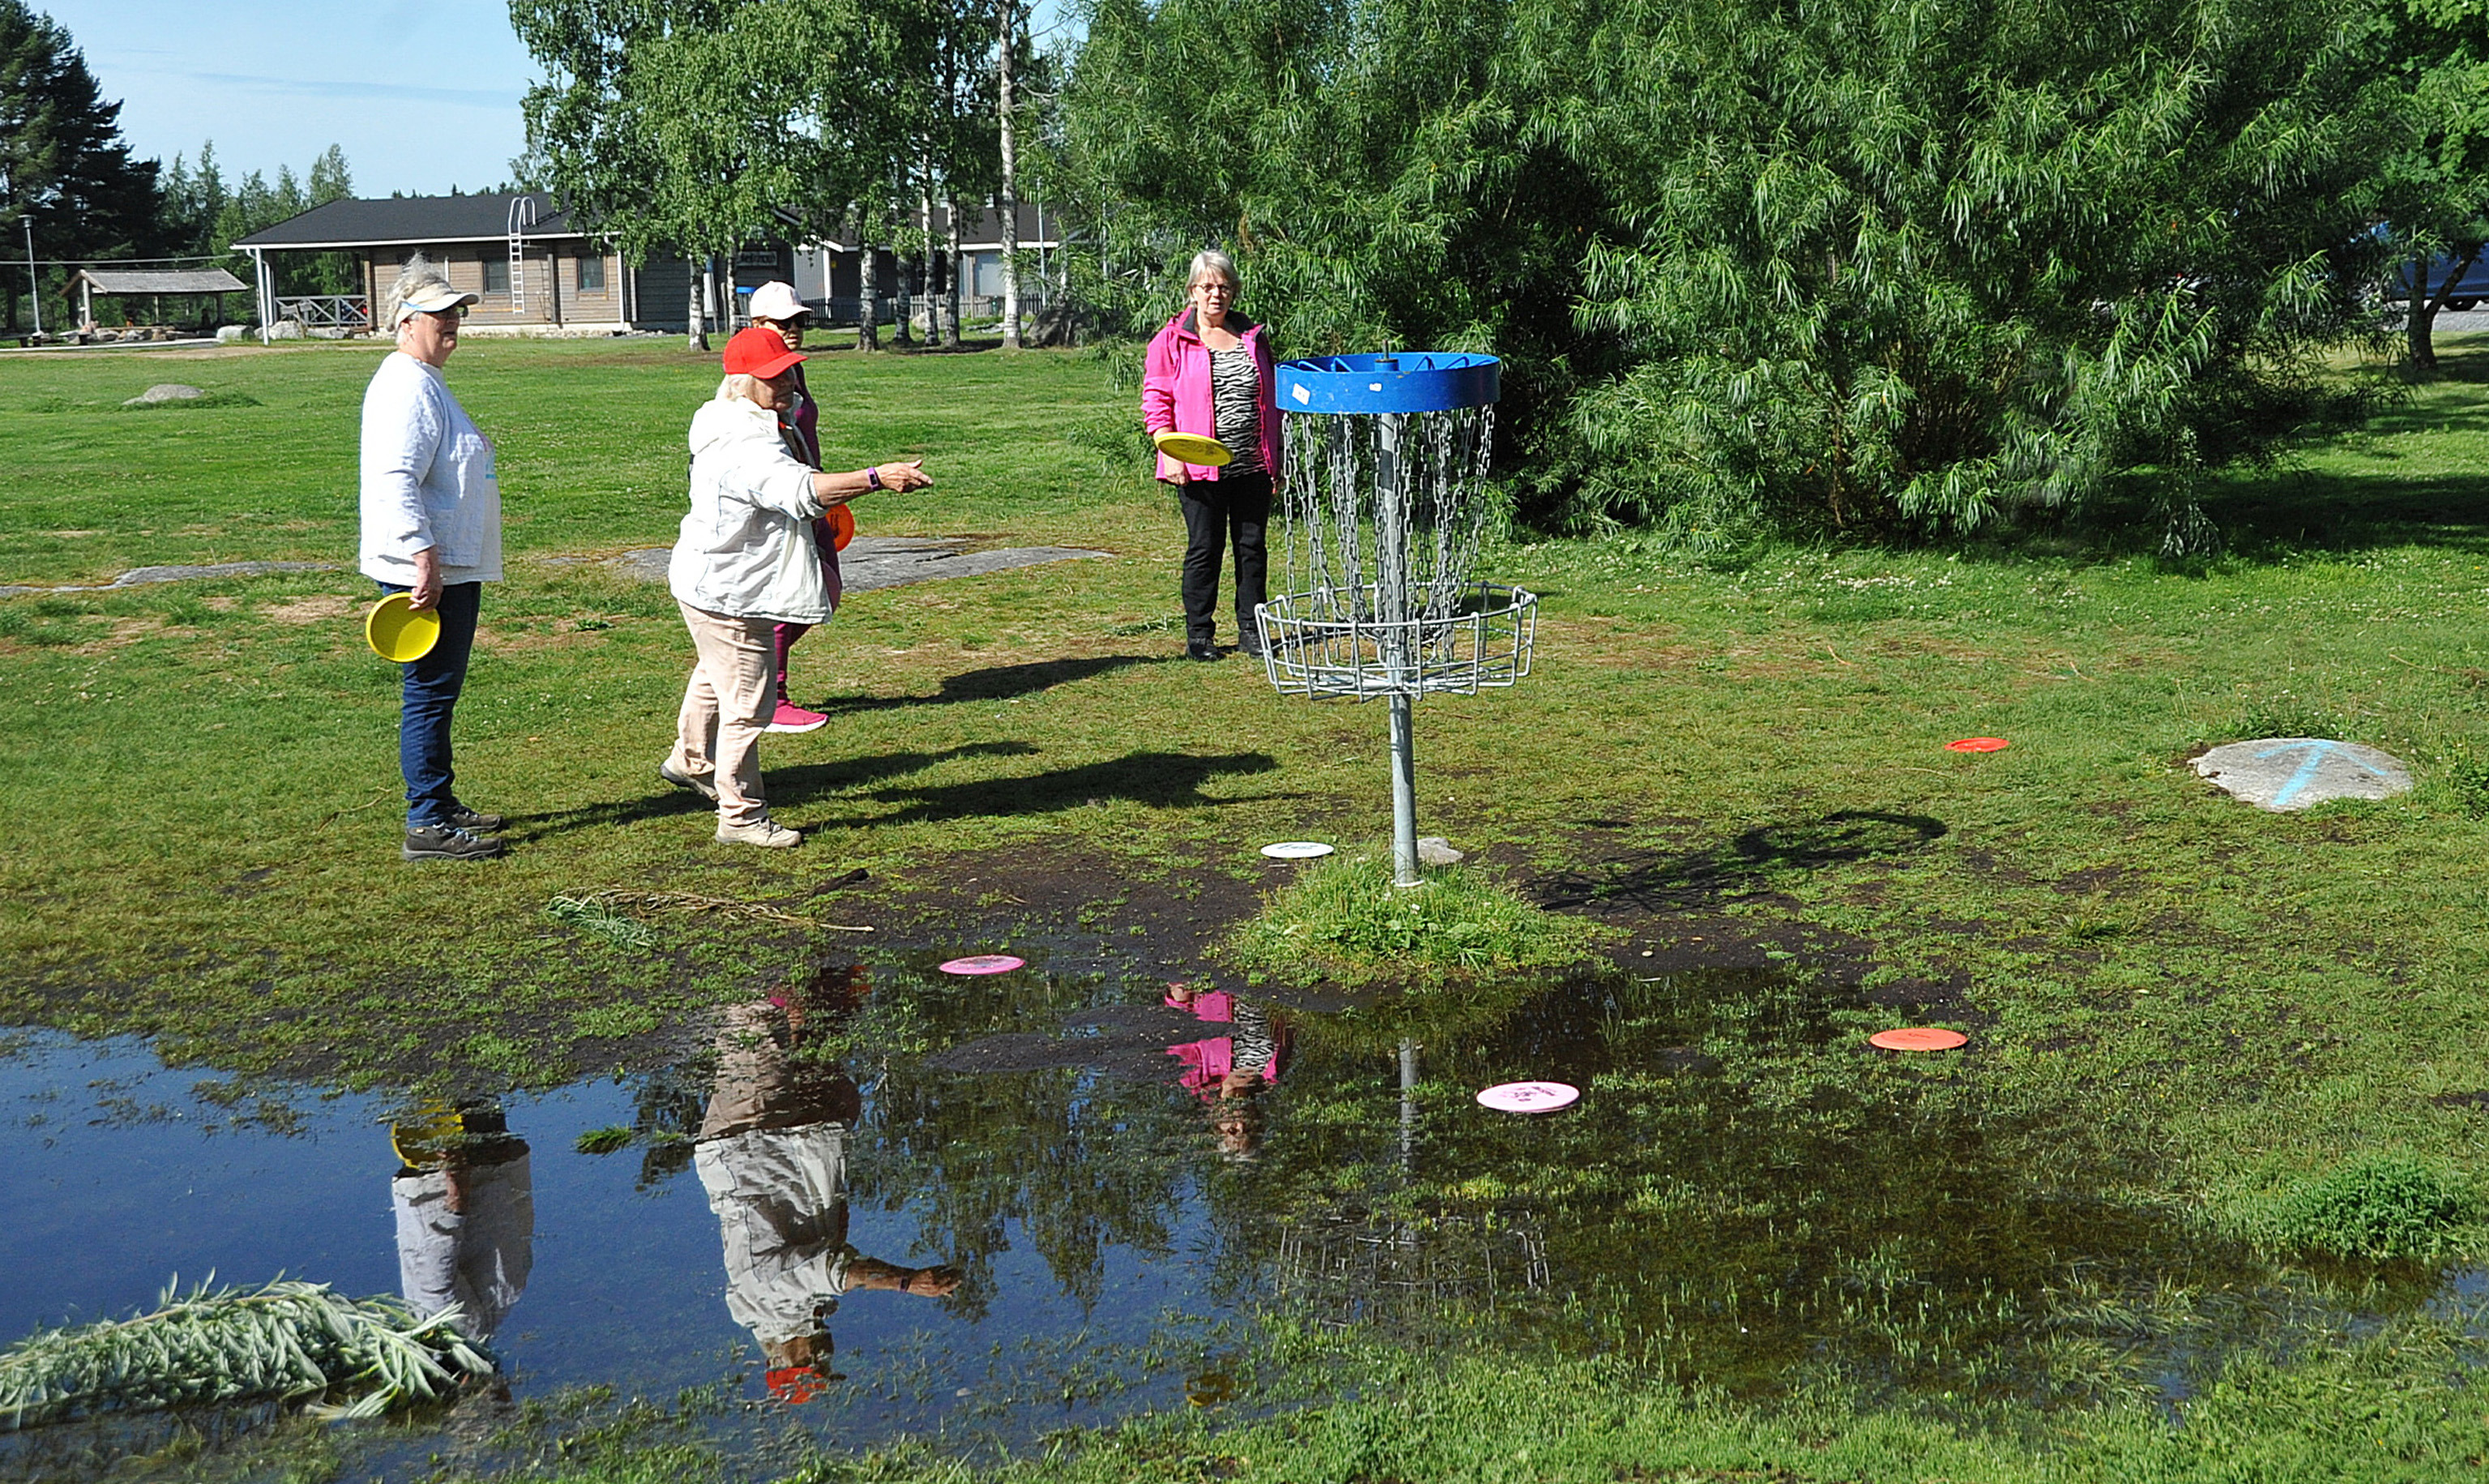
431,693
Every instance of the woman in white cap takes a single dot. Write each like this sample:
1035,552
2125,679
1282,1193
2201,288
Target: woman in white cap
745,563
775,307
431,529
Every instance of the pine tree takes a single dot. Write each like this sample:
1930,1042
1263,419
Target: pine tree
63,162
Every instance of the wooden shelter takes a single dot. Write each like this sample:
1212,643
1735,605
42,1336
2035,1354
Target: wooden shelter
155,283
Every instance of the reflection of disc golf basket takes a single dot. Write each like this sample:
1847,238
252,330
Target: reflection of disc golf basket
1386,460
1342,1271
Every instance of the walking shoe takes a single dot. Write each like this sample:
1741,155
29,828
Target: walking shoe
1250,644
475,821
699,785
791,717
449,843
763,831
1201,651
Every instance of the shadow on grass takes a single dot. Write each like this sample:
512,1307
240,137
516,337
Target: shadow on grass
2274,516
1695,879
782,783
1000,682
1158,779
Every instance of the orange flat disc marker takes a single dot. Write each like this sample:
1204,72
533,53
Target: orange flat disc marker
1918,1038
1978,744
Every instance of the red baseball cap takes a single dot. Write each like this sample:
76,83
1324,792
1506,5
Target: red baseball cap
795,1384
760,352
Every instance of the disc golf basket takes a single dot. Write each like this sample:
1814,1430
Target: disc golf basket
1385,482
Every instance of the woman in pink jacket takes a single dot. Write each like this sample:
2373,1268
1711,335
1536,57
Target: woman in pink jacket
1210,371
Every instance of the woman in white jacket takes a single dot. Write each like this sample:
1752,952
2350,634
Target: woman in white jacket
745,564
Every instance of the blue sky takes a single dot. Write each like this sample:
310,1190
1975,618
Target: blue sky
421,95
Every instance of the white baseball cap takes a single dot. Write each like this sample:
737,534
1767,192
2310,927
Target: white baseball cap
775,300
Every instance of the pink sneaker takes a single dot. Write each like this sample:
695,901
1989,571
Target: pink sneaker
791,717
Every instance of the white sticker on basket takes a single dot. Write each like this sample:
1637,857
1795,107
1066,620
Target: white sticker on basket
1301,395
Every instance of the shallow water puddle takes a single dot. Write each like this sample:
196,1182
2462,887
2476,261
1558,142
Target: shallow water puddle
992,1207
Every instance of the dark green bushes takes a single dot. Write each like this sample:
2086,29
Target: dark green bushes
1850,265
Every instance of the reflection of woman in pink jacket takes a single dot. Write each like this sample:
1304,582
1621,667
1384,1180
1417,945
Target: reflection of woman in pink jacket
1230,1072
1210,371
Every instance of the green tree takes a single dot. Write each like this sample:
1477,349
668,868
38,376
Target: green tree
692,126
1878,266
63,166
2436,188
252,204
1364,160
1915,265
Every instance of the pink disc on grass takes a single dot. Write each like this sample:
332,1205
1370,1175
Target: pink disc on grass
1978,744
984,963
1529,1096
1918,1038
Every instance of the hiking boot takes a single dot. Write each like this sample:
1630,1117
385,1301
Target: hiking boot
1250,644
1201,651
475,821
700,786
449,843
763,831
791,717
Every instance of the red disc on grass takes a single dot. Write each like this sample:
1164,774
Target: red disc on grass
984,963
1978,744
1918,1038
1529,1096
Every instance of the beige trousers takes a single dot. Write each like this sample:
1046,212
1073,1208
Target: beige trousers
733,694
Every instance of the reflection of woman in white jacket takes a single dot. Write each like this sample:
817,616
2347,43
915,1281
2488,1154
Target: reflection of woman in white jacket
773,1158
745,564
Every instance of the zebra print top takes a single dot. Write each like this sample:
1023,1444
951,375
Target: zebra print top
1236,408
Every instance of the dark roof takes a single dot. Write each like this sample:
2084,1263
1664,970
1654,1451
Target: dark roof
411,221
140,281
984,226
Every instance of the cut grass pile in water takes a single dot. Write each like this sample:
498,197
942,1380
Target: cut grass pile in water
287,1341
1344,920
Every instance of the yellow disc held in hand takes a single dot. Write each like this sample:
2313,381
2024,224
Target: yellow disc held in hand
1191,447
396,631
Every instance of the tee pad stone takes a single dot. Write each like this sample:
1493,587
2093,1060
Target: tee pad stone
2293,773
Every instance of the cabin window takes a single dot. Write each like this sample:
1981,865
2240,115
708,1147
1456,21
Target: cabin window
497,274
592,275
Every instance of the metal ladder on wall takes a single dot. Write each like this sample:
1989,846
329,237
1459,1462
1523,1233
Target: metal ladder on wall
523,216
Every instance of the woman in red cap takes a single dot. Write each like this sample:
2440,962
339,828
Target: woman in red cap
745,564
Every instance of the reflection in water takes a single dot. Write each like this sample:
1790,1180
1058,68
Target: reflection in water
1229,1073
772,1155
465,1213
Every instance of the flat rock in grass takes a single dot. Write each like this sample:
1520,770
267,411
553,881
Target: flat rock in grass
1435,850
164,391
2293,773
141,577
894,562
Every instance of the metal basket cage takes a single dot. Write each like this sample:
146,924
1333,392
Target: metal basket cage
1331,642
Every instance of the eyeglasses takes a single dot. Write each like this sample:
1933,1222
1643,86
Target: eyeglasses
453,312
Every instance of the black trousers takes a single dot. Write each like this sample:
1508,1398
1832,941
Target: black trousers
1217,511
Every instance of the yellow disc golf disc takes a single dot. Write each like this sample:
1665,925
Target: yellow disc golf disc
1191,447
396,631
425,1136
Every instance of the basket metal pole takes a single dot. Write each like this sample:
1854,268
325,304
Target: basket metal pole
1404,793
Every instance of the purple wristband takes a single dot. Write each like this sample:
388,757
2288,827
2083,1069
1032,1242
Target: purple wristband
872,477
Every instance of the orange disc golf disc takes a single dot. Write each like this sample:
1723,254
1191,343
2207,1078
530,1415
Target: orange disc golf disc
1918,1038
1978,744
841,526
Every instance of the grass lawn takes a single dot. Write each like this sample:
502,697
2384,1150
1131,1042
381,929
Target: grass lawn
1734,764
